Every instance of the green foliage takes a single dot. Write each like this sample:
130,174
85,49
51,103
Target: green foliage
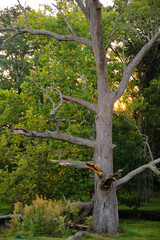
14,64
18,235
25,166
129,199
44,217
151,102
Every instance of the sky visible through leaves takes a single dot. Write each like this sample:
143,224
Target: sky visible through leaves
34,4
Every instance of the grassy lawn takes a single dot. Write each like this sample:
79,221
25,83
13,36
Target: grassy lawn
134,230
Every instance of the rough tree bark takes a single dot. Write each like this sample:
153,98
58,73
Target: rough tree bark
105,212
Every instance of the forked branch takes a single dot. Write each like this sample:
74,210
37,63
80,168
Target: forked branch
135,172
47,95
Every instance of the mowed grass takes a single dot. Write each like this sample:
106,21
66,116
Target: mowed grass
133,230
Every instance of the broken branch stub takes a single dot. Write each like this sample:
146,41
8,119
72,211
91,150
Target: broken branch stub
77,164
94,167
105,183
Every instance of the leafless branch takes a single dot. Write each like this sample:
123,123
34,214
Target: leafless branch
123,53
24,12
10,216
61,102
138,170
80,101
130,68
55,135
151,16
60,120
114,27
7,39
140,35
59,37
68,24
114,50
12,22
84,205
143,135
52,113
83,8
77,164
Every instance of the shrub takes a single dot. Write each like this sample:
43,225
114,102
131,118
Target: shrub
44,217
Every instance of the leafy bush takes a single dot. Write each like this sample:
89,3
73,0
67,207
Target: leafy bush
44,217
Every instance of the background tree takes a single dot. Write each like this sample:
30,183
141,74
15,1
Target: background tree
14,65
105,213
142,26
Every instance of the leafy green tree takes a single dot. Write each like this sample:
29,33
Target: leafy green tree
142,25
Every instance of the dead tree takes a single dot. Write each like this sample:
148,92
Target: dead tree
105,209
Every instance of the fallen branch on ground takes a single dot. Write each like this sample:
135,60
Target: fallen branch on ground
10,216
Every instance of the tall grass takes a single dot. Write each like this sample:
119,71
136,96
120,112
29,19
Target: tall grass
44,217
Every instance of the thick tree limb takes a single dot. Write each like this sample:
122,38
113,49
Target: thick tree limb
59,37
55,135
130,68
77,164
80,101
135,172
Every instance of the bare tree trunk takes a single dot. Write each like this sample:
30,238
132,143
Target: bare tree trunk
105,212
